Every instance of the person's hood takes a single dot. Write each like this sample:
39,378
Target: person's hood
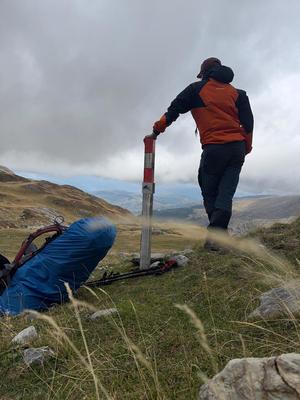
221,74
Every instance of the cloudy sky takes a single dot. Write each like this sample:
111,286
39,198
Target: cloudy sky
82,81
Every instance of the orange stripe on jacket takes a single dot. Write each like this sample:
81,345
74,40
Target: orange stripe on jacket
218,121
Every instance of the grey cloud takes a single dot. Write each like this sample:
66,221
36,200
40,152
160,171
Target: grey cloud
82,81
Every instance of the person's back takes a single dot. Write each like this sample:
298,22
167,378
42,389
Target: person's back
225,122
216,115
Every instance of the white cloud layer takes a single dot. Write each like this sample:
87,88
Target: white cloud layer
82,82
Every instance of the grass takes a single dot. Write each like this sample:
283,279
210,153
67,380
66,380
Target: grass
171,332
10,241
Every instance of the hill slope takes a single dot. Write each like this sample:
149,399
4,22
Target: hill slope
27,203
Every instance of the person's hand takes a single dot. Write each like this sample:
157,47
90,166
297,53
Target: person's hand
160,126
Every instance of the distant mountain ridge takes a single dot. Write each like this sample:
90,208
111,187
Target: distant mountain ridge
28,203
248,212
162,200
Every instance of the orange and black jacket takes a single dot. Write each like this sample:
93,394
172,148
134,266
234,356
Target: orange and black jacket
222,113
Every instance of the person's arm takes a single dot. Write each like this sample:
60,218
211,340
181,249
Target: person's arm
246,118
180,105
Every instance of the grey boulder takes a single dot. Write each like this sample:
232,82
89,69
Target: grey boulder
37,355
180,259
103,313
273,378
279,302
27,335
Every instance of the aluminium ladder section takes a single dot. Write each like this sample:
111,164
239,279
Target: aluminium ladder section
147,208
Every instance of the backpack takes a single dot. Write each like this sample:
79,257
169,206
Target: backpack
28,250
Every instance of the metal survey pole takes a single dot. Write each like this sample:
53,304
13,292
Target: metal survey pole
147,209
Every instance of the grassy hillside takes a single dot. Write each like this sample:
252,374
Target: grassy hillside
155,347
26,203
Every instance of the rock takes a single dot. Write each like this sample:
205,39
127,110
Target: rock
181,260
37,355
102,313
187,251
279,302
288,366
154,257
157,256
25,336
156,231
274,378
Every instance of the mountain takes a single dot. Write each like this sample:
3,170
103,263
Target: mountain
29,203
6,170
167,196
129,200
248,212
164,198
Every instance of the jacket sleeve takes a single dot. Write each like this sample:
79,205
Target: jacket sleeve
181,104
245,117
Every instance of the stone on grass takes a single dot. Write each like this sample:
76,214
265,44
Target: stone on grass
279,302
37,355
274,378
25,336
157,231
157,258
181,260
154,257
103,313
187,251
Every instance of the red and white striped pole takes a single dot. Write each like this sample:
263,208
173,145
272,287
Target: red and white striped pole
147,209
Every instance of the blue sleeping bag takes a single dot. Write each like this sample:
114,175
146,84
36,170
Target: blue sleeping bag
70,258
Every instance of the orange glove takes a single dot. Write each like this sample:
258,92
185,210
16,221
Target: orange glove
160,126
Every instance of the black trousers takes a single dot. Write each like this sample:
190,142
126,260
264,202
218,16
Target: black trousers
218,177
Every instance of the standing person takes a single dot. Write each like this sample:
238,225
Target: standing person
224,119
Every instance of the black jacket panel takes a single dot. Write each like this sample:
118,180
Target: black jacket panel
245,112
186,100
